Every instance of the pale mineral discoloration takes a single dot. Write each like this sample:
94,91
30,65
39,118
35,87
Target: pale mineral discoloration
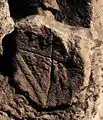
6,22
57,65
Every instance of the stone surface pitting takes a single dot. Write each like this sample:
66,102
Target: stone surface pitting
51,63
73,12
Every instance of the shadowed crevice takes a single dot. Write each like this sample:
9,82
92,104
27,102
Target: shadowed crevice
73,12
7,60
22,8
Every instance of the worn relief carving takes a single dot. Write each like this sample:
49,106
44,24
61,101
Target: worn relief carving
51,61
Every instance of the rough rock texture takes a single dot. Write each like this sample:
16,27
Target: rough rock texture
51,64
6,23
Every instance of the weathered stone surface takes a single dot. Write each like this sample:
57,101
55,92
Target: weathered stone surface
74,12
6,23
51,66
